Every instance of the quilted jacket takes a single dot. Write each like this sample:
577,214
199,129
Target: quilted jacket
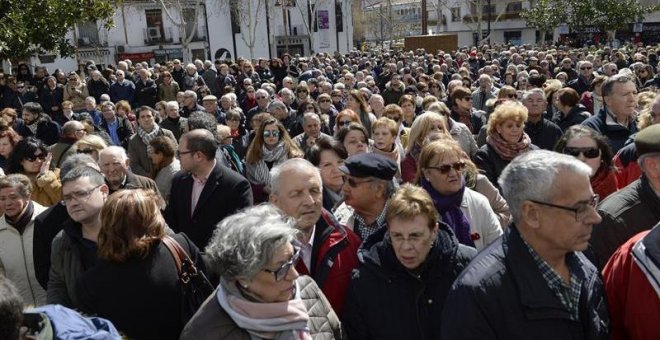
211,322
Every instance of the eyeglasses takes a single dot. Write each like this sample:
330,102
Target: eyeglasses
271,133
280,273
468,99
396,119
353,183
444,169
344,122
587,152
581,212
585,68
80,196
32,158
86,151
179,153
261,97
513,96
336,95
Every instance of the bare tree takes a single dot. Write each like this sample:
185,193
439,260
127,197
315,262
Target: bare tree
306,7
248,13
186,32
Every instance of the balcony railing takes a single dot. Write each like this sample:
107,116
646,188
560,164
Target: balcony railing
156,35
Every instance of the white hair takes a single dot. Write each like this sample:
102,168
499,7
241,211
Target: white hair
300,164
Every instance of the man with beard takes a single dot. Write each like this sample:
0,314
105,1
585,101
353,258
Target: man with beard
36,123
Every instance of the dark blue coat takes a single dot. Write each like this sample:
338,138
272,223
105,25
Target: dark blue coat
616,134
503,295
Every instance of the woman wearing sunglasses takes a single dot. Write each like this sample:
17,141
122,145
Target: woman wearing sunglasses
32,159
344,118
593,149
271,146
261,295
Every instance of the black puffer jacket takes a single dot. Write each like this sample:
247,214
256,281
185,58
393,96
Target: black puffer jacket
503,295
387,301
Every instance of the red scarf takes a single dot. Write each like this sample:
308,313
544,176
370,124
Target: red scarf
508,150
604,182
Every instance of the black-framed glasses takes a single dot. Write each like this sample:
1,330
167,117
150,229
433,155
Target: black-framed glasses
581,212
32,158
179,153
444,169
86,151
280,273
80,196
344,122
585,68
353,183
273,133
587,152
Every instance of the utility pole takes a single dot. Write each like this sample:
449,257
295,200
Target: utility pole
286,26
425,30
382,37
489,18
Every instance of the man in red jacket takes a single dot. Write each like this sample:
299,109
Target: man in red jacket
632,284
328,250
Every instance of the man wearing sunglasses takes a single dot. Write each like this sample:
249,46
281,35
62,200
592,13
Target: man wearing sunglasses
367,186
636,207
536,271
583,81
328,249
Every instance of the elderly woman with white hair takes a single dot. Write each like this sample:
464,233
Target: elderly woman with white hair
261,295
191,79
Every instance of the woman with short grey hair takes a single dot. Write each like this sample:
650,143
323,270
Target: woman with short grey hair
261,295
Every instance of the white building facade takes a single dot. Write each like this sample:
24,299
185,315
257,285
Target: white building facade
144,31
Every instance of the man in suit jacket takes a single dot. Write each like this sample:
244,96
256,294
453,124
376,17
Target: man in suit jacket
206,191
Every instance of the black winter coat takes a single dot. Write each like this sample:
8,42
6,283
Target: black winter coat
491,164
543,134
502,295
387,301
575,116
617,135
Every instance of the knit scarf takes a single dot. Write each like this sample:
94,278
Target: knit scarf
148,136
604,182
449,208
508,150
22,221
466,118
277,320
259,173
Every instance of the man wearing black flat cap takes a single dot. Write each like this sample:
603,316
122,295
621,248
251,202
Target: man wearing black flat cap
635,208
367,186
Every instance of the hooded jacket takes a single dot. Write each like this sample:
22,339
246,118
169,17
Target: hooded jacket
387,301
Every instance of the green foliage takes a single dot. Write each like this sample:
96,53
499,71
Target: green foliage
39,26
607,15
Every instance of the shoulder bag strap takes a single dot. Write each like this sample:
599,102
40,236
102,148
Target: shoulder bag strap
185,266
172,245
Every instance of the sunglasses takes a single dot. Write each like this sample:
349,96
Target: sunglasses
444,169
336,95
261,97
86,151
585,68
41,156
396,119
353,183
280,273
273,133
513,96
587,152
324,101
344,122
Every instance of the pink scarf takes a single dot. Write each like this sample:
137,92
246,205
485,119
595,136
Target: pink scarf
276,320
508,150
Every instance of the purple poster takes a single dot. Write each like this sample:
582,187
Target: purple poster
324,21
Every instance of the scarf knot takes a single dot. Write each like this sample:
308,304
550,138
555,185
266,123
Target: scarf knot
506,149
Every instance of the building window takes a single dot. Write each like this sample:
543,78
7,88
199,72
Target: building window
513,37
484,9
88,34
455,14
155,29
514,7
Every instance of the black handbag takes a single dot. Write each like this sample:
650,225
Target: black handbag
195,287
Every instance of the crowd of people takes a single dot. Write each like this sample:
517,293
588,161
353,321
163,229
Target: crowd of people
489,192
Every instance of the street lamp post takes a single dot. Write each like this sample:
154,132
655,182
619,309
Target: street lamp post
489,14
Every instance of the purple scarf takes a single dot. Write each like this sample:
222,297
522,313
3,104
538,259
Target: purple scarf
449,208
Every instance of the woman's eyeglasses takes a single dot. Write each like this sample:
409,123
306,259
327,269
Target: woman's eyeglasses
444,169
587,152
280,273
41,156
273,133
86,151
344,122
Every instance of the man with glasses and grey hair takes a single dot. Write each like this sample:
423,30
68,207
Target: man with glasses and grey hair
616,120
536,271
190,104
263,99
583,81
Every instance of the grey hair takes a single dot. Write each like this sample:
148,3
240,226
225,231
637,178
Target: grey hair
243,244
531,176
91,100
285,90
276,104
311,115
290,164
74,161
527,94
190,92
608,84
94,175
114,149
262,92
172,105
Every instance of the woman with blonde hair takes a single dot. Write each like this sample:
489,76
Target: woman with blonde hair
90,145
75,91
271,146
505,140
356,102
423,125
441,174
135,283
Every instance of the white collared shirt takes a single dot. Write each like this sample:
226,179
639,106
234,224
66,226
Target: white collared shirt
306,250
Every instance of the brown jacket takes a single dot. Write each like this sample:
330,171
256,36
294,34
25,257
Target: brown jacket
211,322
